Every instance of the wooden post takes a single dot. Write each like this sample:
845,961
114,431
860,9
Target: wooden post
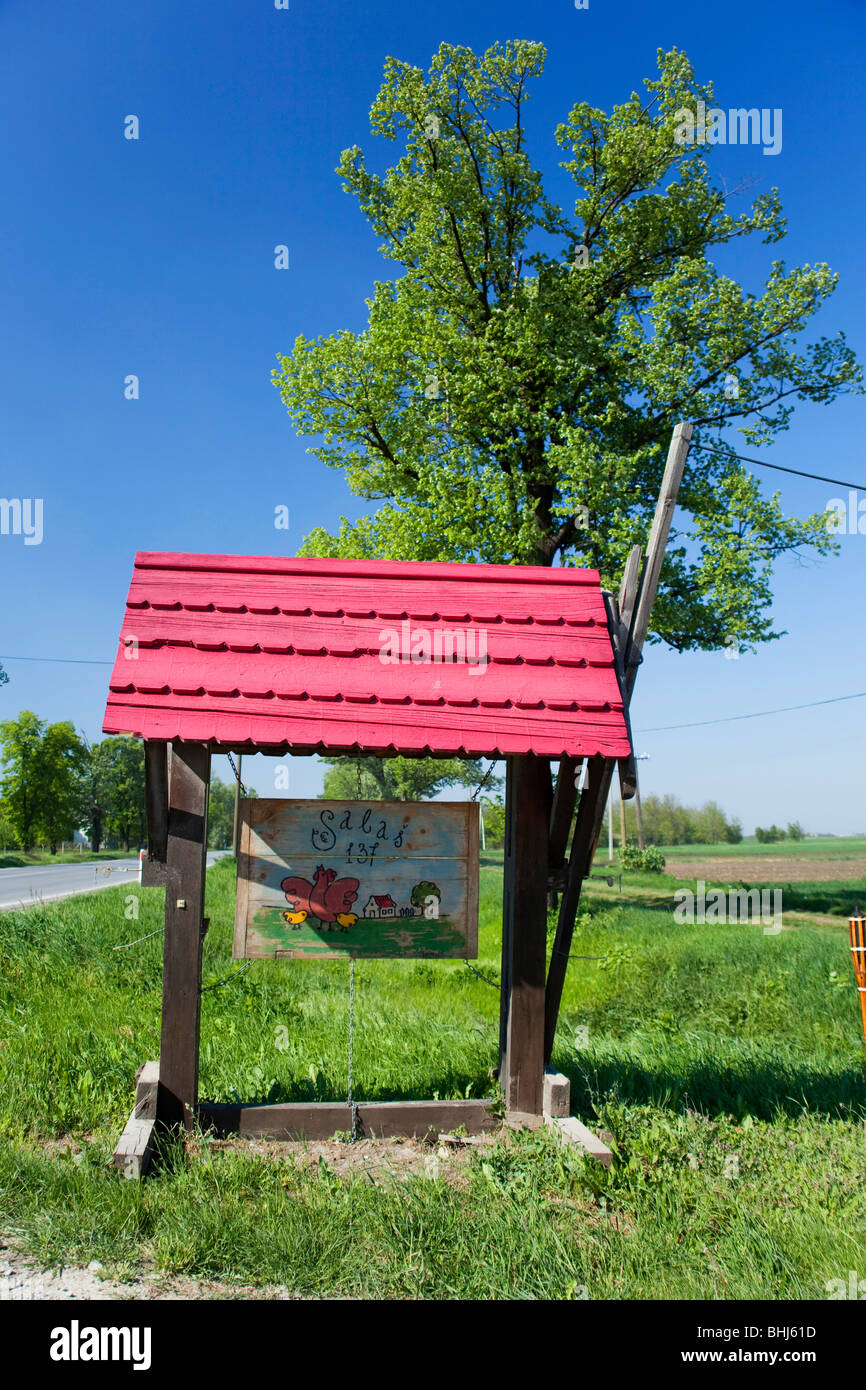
186,857
156,803
638,816
562,811
524,934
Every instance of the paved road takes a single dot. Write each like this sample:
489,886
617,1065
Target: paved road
23,887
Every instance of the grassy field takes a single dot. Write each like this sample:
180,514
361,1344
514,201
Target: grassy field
819,847
727,1064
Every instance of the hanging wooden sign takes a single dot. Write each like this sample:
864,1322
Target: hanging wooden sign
323,880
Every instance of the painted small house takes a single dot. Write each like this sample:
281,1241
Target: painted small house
380,905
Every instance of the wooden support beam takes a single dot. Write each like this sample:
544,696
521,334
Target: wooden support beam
635,607
655,551
557,1094
590,814
156,804
620,640
136,1147
562,811
628,589
146,1091
524,934
406,1119
184,930
572,1131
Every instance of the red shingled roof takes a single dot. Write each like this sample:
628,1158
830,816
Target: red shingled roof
287,654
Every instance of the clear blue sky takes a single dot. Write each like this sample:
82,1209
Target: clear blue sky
155,257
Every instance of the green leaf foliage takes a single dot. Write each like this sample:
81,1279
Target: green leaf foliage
400,779
513,394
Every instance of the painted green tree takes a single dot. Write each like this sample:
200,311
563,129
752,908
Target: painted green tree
423,891
513,394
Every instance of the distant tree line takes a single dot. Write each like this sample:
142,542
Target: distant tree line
772,833
665,822
54,782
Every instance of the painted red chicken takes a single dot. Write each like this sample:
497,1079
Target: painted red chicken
327,899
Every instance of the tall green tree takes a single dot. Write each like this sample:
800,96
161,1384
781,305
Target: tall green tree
64,767
97,792
221,813
513,394
124,813
43,774
401,779
20,743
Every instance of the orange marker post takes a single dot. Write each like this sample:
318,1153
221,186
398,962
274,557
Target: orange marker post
857,929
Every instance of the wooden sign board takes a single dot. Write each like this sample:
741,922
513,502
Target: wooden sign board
322,880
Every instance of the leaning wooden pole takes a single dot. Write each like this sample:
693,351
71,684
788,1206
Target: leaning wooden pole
630,626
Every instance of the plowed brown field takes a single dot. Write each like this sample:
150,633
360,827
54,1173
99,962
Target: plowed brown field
768,870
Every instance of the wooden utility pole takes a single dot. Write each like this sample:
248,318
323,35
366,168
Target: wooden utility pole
638,817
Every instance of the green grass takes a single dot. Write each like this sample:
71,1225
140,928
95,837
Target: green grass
819,847
727,1065
838,898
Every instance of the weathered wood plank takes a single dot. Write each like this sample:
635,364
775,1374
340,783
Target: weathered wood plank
524,938
331,879
184,904
628,589
557,1094
562,812
415,1118
655,552
146,1091
572,1131
136,1147
376,1119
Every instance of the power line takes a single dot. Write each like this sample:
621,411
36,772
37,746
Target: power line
761,463
63,660
759,714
